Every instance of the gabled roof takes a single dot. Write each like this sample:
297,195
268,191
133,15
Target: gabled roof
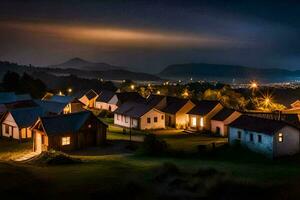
130,96
91,94
258,124
20,104
51,106
203,107
153,99
25,117
59,124
223,114
133,109
105,96
174,104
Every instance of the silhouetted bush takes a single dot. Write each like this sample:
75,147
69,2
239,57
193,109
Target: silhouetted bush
153,146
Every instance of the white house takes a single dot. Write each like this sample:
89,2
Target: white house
219,122
200,116
272,138
16,123
107,100
139,116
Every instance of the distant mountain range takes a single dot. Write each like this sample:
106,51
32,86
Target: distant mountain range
79,63
230,71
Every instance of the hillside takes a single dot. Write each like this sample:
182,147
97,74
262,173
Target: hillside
115,74
79,63
217,70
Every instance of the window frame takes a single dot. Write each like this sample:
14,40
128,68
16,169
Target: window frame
155,119
280,137
259,138
148,120
65,141
239,135
251,137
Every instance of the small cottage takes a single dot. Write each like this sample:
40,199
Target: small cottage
72,103
107,100
53,108
200,116
272,138
139,116
176,112
68,132
219,122
16,123
89,98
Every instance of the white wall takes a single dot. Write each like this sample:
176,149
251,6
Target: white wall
124,121
160,124
13,132
220,124
290,143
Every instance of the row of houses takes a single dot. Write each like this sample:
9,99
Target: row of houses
55,122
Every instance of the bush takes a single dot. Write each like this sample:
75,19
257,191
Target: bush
105,114
153,146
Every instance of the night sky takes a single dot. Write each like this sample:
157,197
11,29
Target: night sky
148,35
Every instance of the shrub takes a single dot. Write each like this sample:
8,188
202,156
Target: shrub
105,114
56,158
153,146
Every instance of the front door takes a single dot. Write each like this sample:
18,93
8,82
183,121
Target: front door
38,143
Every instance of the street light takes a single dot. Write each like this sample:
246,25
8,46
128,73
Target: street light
70,90
132,87
158,92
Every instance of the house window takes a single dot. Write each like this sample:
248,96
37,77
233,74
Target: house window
65,141
118,117
201,122
239,135
155,119
280,137
6,129
194,121
148,120
251,137
162,117
259,138
126,119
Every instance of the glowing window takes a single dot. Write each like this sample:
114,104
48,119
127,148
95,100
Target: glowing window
65,141
194,121
201,122
280,137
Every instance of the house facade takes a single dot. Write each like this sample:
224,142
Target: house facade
200,116
89,98
139,116
219,122
16,123
68,132
272,138
107,100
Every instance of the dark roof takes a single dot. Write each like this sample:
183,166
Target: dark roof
26,117
130,96
258,124
23,97
133,109
7,97
174,104
51,106
65,123
223,114
91,94
105,96
21,104
153,99
61,99
203,107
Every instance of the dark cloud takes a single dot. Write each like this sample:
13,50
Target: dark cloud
152,34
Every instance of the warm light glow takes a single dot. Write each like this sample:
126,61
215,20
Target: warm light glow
132,87
280,137
60,93
65,141
158,92
185,93
201,122
70,90
194,121
253,85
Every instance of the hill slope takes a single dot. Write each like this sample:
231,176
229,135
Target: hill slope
79,63
217,70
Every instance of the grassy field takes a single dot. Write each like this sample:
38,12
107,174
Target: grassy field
133,176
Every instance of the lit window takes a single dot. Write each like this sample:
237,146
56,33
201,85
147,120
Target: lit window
280,137
155,119
201,122
194,121
89,126
126,119
65,140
